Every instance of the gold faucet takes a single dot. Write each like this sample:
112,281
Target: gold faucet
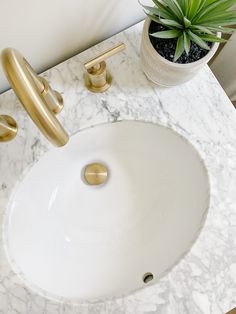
37,97
97,78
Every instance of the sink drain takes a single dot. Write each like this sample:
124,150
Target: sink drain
95,174
147,277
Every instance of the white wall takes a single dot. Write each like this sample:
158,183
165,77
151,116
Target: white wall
49,31
224,67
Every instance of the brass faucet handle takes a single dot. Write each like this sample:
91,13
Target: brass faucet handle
97,78
104,55
8,128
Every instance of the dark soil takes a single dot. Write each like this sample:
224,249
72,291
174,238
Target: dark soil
166,47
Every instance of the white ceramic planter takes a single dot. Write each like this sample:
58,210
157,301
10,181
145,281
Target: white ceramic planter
164,72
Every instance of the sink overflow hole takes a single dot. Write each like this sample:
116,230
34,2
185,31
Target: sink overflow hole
147,277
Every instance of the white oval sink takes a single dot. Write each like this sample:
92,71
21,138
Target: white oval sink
69,240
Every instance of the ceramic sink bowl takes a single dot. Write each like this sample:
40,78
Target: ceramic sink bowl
70,240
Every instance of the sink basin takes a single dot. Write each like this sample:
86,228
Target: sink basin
70,240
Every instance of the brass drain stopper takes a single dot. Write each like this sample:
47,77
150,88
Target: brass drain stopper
95,174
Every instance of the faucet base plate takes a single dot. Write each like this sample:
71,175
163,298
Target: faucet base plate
10,128
97,89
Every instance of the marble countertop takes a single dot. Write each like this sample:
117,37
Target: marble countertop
205,280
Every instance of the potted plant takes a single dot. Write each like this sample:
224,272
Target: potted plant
181,36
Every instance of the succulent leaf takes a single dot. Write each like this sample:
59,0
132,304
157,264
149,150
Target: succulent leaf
187,23
151,10
187,43
201,29
163,9
212,38
200,42
179,47
173,33
170,23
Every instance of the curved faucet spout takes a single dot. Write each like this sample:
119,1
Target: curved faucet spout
35,94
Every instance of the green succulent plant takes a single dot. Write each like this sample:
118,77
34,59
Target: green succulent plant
195,21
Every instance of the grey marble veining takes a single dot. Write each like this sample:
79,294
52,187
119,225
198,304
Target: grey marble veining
204,282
